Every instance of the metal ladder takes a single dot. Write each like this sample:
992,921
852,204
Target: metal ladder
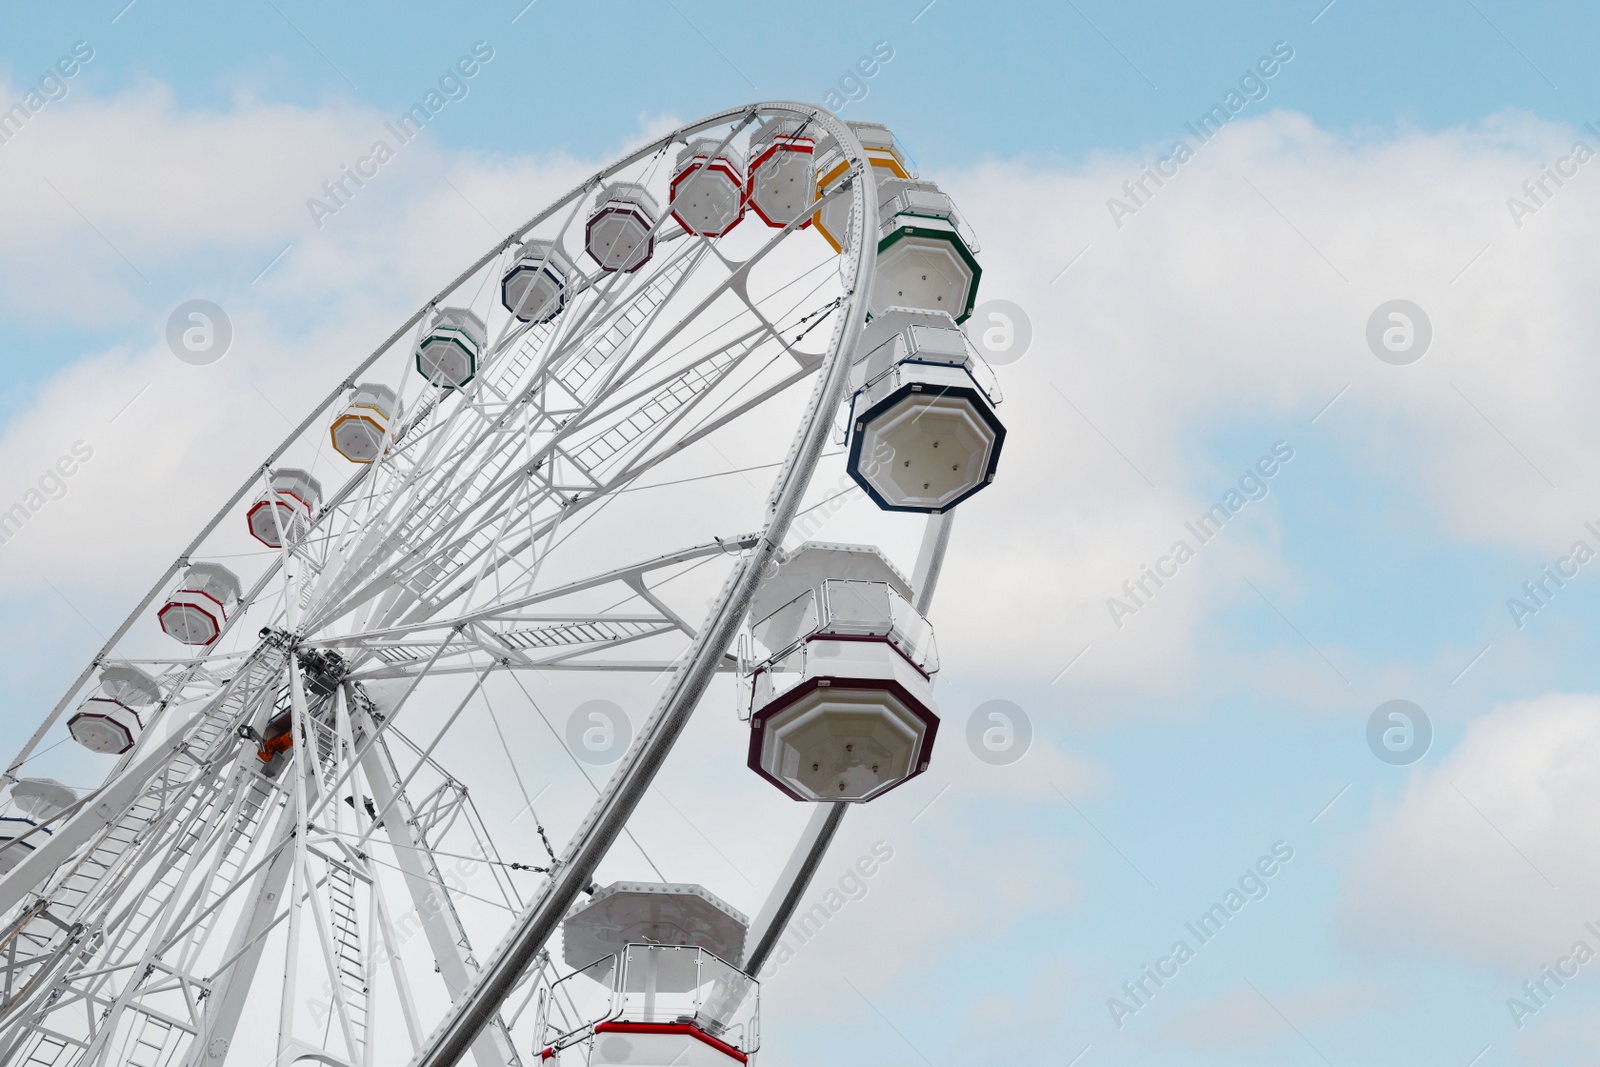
576,374
148,1043
675,393
347,956
258,792
48,1051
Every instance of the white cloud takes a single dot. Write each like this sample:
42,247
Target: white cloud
1488,860
1208,315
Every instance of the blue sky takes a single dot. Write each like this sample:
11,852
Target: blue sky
965,82
1170,353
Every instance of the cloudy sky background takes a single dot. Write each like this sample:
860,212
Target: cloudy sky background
1170,353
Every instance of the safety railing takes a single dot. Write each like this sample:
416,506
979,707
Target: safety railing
848,609
661,984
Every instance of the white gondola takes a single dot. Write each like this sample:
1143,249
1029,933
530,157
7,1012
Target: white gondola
41,799
707,192
620,233
535,288
199,608
924,435
285,511
360,429
887,159
781,179
129,684
652,984
842,701
926,254
111,721
448,354
102,724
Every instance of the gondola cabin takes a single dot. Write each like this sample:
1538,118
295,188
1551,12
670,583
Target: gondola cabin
924,435
361,428
926,255
781,183
886,159
449,352
841,684
534,289
283,513
40,799
652,982
200,606
620,233
111,721
708,185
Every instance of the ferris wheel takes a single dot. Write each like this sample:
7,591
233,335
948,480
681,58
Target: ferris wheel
281,867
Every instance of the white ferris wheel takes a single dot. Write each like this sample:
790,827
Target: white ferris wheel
273,868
